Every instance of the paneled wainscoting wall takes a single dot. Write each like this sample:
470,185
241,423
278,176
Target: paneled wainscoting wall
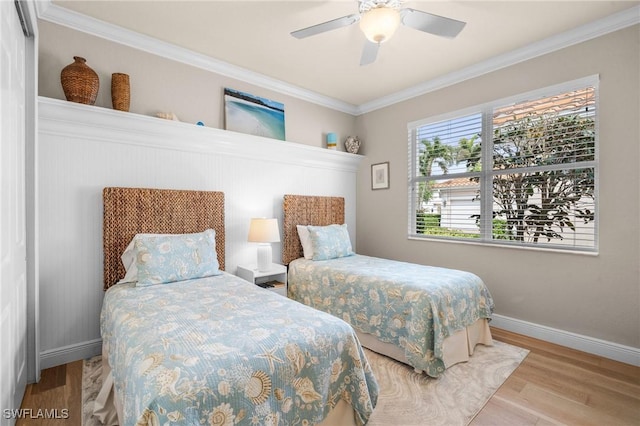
82,149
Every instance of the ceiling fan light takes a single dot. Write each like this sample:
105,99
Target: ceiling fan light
379,24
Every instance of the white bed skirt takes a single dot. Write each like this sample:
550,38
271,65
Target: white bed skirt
457,347
108,407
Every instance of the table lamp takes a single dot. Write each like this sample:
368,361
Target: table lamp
264,232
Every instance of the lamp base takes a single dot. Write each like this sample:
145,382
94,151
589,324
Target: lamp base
264,257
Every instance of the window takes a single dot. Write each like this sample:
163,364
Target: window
519,171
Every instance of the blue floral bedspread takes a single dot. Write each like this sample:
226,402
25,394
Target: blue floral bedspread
222,351
411,306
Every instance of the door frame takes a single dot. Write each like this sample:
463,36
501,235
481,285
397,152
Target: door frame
29,20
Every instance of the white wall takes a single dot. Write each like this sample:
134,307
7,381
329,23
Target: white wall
85,148
593,296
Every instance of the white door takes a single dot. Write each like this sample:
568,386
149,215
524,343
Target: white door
13,281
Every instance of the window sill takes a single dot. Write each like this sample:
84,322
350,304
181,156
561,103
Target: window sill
591,252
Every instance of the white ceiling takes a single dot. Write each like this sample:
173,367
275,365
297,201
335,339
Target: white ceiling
254,35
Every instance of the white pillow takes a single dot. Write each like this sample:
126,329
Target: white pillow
305,240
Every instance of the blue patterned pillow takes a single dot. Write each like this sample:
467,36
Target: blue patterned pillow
163,259
330,242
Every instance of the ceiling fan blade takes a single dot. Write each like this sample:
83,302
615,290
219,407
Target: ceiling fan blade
433,24
369,53
327,26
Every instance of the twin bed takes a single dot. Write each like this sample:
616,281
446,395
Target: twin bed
201,346
213,350
427,317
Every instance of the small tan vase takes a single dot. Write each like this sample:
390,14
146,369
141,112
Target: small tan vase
79,82
120,91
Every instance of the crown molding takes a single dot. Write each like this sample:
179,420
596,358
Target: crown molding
79,22
62,16
583,33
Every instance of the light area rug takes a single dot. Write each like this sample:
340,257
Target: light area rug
406,398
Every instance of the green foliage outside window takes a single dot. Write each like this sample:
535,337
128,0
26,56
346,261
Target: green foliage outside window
530,206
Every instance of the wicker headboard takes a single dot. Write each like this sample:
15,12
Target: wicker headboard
307,210
130,211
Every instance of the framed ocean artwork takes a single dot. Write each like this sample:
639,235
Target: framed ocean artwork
246,113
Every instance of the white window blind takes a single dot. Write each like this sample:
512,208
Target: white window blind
521,171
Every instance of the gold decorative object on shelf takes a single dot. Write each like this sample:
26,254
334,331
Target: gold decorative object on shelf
79,82
120,91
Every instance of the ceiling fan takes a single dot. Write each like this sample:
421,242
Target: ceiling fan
379,19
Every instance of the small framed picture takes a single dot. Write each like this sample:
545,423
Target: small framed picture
380,176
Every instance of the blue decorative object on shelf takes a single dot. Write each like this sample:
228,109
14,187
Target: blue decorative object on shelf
332,139
199,123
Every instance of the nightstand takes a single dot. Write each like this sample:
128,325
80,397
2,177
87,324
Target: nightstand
277,274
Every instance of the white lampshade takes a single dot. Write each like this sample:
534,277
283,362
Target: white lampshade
264,232
379,24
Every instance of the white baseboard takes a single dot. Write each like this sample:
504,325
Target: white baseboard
611,350
66,354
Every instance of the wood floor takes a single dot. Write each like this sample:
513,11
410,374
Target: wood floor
554,385
60,388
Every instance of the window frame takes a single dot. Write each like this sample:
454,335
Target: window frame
487,173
